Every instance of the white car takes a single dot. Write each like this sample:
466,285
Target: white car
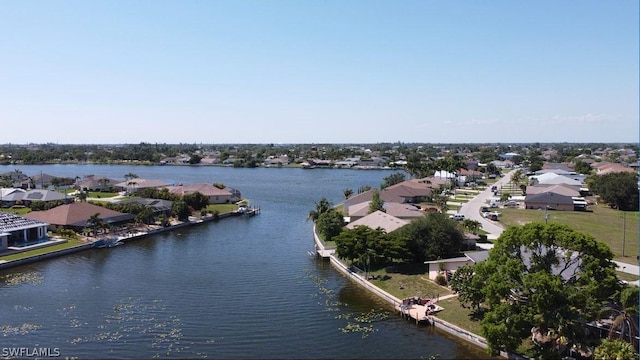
457,217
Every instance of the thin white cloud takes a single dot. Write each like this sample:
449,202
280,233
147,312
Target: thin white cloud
587,118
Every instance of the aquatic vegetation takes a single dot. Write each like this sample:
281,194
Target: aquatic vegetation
372,315
31,277
355,327
135,316
332,305
23,329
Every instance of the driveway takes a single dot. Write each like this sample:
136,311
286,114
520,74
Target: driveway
471,209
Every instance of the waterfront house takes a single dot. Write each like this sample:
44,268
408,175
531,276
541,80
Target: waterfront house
214,194
42,180
16,230
401,211
96,183
133,185
75,216
159,206
452,264
379,219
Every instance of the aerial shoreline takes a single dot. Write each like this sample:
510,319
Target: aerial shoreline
137,235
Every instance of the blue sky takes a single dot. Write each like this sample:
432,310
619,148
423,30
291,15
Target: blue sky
318,71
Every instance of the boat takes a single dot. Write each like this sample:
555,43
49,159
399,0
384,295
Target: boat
107,243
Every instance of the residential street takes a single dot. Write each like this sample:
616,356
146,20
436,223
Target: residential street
471,210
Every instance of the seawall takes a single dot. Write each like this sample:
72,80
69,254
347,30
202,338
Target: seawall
394,301
136,236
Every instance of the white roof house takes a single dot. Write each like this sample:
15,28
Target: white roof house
379,219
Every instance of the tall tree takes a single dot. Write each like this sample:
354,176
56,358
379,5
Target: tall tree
545,280
472,226
430,237
329,224
392,179
95,223
376,204
619,190
322,207
180,209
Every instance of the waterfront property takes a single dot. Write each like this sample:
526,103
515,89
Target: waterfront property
214,195
76,215
17,231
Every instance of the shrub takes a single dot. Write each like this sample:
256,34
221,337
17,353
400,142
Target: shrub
441,280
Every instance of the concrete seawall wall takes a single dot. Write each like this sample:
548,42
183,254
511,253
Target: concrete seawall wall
63,252
393,301
32,259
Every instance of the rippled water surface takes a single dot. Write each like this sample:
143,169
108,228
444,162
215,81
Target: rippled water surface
237,288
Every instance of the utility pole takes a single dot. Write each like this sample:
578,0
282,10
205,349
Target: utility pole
624,230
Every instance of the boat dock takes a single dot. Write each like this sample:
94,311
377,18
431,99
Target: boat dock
419,310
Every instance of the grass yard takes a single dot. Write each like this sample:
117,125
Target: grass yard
406,281
17,210
101,194
456,314
222,208
43,250
603,223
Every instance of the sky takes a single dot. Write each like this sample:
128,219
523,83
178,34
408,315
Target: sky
330,71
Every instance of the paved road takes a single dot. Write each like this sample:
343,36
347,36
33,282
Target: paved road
471,209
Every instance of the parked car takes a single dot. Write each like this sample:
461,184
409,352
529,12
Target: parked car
457,217
490,214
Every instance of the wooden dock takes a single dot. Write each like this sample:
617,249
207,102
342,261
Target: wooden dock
419,310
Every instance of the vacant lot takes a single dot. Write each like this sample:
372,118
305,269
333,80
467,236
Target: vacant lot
603,223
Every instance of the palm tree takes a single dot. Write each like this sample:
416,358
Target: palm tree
441,202
471,226
82,195
322,207
132,184
624,316
347,193
130,176
103,182
95,223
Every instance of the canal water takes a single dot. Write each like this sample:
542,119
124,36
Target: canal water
237,288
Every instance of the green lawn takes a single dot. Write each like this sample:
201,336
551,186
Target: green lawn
18,210
454,313
43,250
406,281
603,223
101,194
222,208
